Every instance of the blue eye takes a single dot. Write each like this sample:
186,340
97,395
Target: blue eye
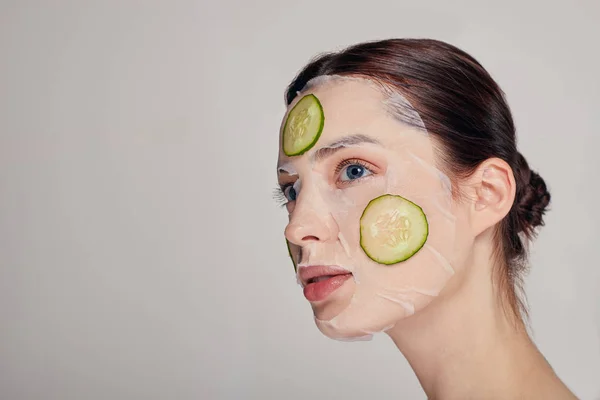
353,172
290,193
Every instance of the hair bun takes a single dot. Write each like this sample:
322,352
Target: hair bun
533,197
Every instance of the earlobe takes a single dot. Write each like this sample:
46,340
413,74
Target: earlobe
494,186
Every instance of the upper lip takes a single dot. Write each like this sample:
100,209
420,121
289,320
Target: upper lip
308,273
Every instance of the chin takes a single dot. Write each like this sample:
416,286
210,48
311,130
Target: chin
362,315
354,324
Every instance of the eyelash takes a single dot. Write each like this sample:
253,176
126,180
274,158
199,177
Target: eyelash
352,161
278,192
279,196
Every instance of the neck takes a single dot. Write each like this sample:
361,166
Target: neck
466,346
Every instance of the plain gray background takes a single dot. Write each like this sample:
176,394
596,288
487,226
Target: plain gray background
141,254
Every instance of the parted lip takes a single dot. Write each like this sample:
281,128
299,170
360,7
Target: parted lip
310,273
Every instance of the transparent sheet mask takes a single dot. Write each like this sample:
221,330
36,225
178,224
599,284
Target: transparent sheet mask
378,295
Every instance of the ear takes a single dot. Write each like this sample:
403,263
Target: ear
493,188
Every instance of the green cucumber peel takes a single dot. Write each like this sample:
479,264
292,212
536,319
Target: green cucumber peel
303,126
392,229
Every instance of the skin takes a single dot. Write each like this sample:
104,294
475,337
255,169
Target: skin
461,343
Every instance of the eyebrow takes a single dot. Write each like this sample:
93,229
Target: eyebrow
346,141
332,148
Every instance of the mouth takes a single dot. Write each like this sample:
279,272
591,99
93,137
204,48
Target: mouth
321,281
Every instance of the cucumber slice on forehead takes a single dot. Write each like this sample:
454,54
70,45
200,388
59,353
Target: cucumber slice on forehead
392,229
303,126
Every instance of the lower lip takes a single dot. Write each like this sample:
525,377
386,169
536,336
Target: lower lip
320,290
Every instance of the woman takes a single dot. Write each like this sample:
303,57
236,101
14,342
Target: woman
409,213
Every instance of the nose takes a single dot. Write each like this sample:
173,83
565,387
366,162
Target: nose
310,222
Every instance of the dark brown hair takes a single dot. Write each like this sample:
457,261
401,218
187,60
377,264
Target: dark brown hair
466,112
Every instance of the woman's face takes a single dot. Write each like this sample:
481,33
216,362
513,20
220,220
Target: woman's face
364,152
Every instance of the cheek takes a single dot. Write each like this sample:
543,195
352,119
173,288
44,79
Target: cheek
463,237
349,204
388,292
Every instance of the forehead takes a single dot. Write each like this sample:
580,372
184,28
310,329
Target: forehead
349,101
349,107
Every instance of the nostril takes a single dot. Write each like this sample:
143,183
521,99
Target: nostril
310,238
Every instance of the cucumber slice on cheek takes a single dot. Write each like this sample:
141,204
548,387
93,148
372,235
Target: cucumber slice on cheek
291,257
392,229
303,126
